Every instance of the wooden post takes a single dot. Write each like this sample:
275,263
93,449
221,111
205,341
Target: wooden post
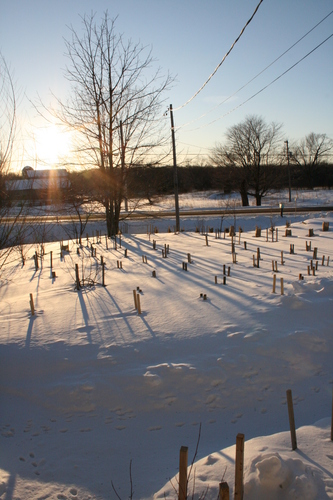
245,244
103,273
135,301
323,260
77,277
51,260
215,280
182,495
277,234
282,261
36,261
282,290
206,235
291,419
32,307
274,282
332,418
239,466
138,303
224,491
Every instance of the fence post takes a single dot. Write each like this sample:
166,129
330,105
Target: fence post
291,419
282,289
51,260
182,495
274,282
32,307
77,277
138,303
103,273
332,418
224,491
239,466
135,301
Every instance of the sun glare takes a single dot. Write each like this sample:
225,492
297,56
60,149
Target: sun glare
52,145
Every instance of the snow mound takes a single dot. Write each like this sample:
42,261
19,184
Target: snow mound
276,477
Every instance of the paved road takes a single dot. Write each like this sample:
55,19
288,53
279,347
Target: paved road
251,211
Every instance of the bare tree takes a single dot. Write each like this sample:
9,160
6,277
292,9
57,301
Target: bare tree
115,101
313,150
11,222
250,147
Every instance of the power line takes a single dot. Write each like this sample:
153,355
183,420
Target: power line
266,86
258,74
224,58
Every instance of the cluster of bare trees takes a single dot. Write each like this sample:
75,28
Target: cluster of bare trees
253,145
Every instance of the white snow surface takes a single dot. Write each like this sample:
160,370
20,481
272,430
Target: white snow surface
90,387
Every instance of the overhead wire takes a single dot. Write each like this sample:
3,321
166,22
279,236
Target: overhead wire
220,64
266,86
258,74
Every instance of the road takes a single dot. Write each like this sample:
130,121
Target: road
251,211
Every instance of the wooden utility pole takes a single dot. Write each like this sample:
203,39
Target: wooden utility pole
288,160
123,165
175,171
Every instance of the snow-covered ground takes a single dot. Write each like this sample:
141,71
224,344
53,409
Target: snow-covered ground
89,386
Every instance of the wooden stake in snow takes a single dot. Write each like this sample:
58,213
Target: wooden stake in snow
291,419
138,303
282,289
282,261
224,491
182,494
32,307
51,262
206,235
274,282
77,277
36,261
332,418
103,273
135,301
239,467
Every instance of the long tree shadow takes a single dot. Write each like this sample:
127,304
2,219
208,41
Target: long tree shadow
87,329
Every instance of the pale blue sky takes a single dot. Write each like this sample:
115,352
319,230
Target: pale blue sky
189,38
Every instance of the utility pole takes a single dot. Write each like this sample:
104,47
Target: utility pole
123,164
286,142
175,172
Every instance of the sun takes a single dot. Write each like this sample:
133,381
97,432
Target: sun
52,145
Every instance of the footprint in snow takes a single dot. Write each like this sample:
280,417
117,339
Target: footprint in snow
157,428
121,427
85,430
73,491
63,430
180,424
